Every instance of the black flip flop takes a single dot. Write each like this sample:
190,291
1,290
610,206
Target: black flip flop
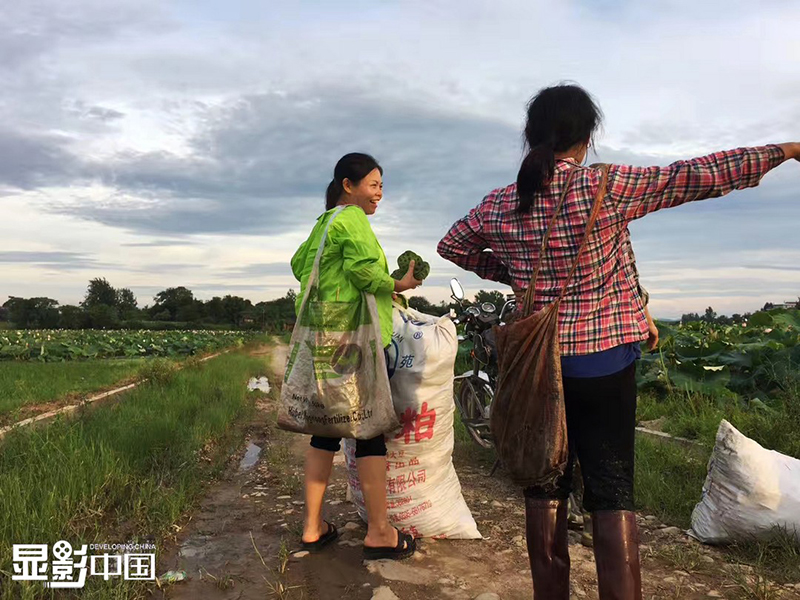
324,539
406,546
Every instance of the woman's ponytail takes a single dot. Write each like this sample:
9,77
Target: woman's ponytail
535,174
559,118
332,194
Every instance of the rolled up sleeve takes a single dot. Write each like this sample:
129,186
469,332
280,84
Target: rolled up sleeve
637,191
465,246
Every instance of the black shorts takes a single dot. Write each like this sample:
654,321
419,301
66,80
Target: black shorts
372,447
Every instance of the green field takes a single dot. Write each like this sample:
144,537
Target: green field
47,345
122,470
753,363
25,383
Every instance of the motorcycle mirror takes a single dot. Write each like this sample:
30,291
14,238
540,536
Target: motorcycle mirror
456,289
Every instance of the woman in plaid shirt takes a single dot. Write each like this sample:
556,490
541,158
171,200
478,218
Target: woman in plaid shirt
602,318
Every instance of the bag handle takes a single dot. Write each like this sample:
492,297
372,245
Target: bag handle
527,305
314,276
598,202
530,293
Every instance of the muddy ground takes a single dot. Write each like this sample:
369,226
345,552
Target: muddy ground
243,540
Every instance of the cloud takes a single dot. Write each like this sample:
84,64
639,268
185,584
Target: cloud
772,268
62,261
31,160
262,163
39,257
256,270
159,244
32,28
98,113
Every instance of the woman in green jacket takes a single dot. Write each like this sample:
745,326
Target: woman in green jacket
352,262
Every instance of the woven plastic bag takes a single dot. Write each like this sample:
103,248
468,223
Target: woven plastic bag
750,492
423,493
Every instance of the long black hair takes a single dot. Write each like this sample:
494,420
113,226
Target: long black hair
354,166
559,117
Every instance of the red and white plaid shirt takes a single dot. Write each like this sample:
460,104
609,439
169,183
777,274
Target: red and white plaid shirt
602,307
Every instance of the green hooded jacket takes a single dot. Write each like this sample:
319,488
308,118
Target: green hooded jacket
352,261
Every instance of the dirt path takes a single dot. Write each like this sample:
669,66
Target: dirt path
242,542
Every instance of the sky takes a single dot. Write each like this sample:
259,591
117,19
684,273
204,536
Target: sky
165,143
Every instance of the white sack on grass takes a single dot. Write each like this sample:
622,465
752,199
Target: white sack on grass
423,491
749,492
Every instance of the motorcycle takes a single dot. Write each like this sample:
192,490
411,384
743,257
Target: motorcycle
474,389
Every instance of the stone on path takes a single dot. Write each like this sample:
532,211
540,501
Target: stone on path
383,593
301,554
487,596
396,571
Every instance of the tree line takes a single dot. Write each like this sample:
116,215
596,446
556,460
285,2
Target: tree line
711,316
106,307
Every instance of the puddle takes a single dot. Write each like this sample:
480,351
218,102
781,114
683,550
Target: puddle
195,546
250,457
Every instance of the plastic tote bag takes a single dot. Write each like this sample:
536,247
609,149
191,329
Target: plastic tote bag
336,384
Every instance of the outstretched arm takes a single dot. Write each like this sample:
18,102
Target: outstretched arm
637,191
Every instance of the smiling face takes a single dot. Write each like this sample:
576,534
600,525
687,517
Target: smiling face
366,193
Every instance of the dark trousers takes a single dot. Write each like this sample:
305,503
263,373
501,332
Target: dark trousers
372,447
601,425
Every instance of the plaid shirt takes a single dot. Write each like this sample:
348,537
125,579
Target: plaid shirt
602,307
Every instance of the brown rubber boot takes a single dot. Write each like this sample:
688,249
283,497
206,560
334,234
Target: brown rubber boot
548,551
616,554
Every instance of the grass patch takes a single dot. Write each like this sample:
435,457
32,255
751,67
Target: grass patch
776,560
160,371
278,451
121,472
681,557
669,481
278,456
24,383
773,424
